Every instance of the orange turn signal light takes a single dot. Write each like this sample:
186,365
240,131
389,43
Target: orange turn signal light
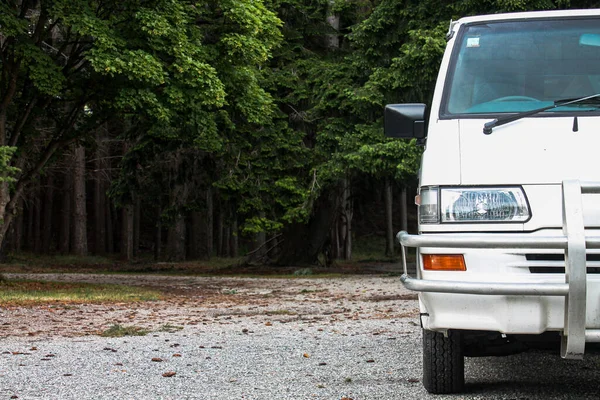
444,262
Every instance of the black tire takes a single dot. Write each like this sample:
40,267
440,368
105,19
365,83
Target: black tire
443,362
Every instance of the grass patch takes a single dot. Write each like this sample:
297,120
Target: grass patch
21,292
303,272
40,260
169,328
120,331
25,262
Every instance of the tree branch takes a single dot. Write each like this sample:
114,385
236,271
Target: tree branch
21,123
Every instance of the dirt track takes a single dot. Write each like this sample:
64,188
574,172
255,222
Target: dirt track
222,300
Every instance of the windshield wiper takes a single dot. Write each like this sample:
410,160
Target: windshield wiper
489,126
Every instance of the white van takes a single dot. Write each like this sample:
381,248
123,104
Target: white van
509,194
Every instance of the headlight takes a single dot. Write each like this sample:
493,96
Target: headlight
473,205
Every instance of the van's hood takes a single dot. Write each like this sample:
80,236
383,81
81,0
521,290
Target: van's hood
529,151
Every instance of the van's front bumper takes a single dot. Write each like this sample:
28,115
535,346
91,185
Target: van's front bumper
515,302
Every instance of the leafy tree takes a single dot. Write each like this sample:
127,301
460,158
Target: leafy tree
170,69
390,53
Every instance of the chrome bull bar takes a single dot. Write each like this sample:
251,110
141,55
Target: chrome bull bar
574,244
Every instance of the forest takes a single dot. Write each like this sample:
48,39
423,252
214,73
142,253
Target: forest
192,129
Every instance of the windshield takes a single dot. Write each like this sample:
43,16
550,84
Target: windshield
519,66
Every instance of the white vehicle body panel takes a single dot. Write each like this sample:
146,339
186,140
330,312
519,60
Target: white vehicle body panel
536,153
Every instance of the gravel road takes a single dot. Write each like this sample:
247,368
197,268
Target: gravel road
348,338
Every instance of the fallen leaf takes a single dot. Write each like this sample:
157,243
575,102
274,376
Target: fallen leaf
371,361
176,355
413,380
157,359
169,374
306,355
268,323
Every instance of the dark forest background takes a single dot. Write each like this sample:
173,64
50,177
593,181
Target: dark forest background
194,129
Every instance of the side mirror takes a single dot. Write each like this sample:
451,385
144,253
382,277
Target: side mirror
405,121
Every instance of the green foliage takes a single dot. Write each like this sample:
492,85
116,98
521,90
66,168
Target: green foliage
263,102
7,171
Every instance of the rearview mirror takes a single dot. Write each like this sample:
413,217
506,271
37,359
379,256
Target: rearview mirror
405,120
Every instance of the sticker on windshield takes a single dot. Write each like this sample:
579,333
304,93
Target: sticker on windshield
473,42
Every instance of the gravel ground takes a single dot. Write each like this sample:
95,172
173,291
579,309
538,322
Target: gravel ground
348,338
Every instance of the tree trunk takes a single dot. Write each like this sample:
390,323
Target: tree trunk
404,209
127,233
333,20
220,233
261,241
136,225
18,228
110,230
80,247
302,243
201,232
348,242
226,241
209,223
64,245
4,198
197,229
100,195
389,231
48,214
29,231
235,244
176,240
348,215
335,247
158,234
37,218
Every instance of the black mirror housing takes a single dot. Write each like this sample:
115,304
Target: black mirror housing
405,120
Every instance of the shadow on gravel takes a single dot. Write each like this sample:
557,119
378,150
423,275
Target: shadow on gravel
534,375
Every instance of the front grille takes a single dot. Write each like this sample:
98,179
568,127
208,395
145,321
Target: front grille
556,263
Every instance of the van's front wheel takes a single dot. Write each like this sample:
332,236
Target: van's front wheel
443,362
